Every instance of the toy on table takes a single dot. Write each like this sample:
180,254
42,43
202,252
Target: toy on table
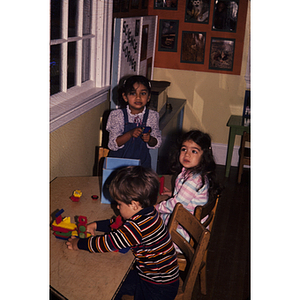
118,223
64,229
76,195
82,222
161,184
95,197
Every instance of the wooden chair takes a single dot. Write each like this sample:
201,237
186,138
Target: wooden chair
207,211
244,155
100,154
194,254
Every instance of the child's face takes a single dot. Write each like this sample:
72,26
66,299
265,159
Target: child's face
137,99
128,210
190,154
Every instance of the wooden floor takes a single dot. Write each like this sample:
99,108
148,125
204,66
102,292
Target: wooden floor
228,265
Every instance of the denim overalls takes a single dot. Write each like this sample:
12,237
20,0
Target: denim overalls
135,148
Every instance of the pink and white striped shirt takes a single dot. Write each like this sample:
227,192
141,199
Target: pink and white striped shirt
186,192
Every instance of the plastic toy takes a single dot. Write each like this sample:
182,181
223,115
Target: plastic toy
82,222
76,195
161,184
64,229
146,129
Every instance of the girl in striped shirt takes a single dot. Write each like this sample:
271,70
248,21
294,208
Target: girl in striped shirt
156,273
196,182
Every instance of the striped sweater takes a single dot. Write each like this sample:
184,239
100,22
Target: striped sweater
149,240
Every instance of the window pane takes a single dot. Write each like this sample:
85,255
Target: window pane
86,59
56,16
55,67
72,29
87,17
71,64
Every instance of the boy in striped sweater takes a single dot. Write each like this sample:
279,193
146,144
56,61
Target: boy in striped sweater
156,273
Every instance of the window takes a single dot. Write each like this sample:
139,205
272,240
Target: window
80,52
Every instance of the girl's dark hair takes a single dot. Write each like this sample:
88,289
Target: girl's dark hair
135,183
128,84
207,165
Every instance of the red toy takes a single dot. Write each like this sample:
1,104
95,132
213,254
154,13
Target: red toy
118,223
82,222
161,184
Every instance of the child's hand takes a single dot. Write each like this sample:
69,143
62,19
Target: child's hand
72,243
146,137
91,228
167,192
136,132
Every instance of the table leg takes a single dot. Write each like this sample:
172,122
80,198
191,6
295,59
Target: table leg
231,140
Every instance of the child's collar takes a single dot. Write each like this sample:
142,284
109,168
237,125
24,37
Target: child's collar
129,111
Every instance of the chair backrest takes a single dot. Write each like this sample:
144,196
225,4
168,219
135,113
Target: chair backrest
209,211
193,253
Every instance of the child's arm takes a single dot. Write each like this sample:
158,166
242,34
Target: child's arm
153,122
127,236
124,138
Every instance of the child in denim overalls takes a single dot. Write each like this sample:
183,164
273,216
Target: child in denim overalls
126,126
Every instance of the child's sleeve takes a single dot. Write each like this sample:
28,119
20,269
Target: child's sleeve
128,235
166,207
153,122
115,127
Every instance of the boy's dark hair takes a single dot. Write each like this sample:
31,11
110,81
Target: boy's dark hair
207,165
135,183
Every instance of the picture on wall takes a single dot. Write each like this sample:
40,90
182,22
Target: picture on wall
165,4
135,4
116,6
197,11
168,35
193,47
221,54
124,5
225,15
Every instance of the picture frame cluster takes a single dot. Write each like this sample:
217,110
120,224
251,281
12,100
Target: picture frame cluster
223,15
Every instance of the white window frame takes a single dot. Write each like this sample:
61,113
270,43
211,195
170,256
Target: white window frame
73,102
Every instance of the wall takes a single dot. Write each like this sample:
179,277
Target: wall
72,146
211,97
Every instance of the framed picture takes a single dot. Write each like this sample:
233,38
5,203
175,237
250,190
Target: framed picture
197,11
144,4
165,4
124,5
193,47
168,35
135,4
116,6
221,54
144,45
225,15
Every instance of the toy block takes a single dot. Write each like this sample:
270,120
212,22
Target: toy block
58,217
65,224
110,165
81,228
76,195
161,184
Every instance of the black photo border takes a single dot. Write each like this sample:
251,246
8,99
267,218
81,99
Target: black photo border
184,44
215,59
160,47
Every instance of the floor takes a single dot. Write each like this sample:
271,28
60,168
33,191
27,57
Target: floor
228,261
